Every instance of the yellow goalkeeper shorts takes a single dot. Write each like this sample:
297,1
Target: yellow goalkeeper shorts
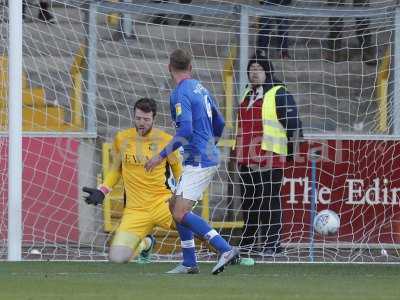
141,222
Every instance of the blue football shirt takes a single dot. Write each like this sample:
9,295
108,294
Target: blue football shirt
191,102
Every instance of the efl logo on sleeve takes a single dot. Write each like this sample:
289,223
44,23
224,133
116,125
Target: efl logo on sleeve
178,109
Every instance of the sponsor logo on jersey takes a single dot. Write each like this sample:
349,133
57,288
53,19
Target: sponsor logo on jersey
178,109
152,147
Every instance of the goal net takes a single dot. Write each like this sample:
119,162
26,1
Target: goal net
85,63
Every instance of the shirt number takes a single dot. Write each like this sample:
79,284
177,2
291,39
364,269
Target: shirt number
208,106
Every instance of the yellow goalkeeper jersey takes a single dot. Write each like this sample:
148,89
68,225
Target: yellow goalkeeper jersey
144,189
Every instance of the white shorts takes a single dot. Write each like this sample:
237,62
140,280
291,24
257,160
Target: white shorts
194,181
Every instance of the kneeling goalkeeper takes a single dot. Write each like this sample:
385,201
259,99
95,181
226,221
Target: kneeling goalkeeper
147,193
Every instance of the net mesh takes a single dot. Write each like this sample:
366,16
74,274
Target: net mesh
339,69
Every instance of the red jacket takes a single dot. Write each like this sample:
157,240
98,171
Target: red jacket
249,137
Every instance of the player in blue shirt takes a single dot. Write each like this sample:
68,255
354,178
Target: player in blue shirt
199,126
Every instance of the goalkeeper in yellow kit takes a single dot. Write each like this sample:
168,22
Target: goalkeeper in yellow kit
147,193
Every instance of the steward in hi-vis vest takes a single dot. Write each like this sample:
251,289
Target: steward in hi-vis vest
268,127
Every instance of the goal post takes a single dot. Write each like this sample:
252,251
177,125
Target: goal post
83,72
14,235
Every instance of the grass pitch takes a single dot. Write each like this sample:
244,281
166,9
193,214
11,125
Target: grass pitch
81,281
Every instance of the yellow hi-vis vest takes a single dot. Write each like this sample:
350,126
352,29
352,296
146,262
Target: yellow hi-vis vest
274,135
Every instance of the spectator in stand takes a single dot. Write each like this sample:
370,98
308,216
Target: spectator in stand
264,34
362,32
44,14
186,20
268,127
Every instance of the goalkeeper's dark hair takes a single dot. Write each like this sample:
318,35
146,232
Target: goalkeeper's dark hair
180,60
147,105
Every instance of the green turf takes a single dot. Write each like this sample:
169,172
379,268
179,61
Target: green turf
69,281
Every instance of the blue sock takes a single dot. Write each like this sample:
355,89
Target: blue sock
187,245
202,229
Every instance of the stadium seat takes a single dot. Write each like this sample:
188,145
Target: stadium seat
36,113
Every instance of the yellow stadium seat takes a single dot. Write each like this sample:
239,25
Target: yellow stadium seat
36,113
34,97
45,118
4,74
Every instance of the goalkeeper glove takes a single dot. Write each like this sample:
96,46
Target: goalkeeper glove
96,196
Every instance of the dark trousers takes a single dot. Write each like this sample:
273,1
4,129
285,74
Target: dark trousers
264,35
336,27
261,207
43,9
